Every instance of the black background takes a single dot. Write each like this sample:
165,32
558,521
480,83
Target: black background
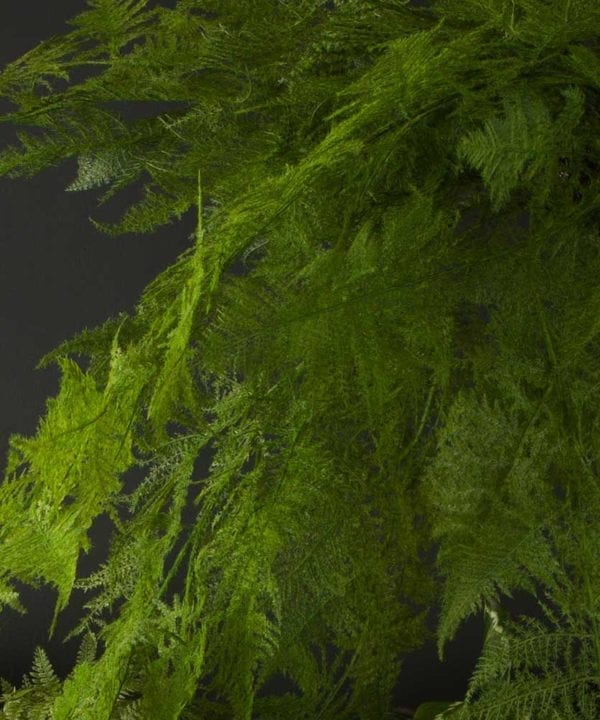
60,275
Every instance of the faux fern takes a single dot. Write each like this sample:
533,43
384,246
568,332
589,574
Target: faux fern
409,358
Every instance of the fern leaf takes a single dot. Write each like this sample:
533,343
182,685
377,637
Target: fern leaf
42,672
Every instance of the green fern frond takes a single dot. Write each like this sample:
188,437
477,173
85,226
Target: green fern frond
112,23
87,649
475,499
97,170
42,672
522,144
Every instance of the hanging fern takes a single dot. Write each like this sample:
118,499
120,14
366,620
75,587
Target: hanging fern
403,363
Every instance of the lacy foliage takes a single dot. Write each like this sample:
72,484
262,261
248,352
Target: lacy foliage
402,364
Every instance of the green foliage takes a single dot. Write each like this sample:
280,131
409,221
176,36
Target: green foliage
402,364
435,710
34,701
527,137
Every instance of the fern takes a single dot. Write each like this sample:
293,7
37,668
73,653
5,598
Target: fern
34,701
403,366
95,171
525,138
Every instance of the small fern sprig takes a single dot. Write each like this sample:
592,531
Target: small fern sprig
35,698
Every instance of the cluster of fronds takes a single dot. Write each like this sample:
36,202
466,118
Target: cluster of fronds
381,378
35,699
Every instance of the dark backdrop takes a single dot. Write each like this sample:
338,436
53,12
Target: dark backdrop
59,275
